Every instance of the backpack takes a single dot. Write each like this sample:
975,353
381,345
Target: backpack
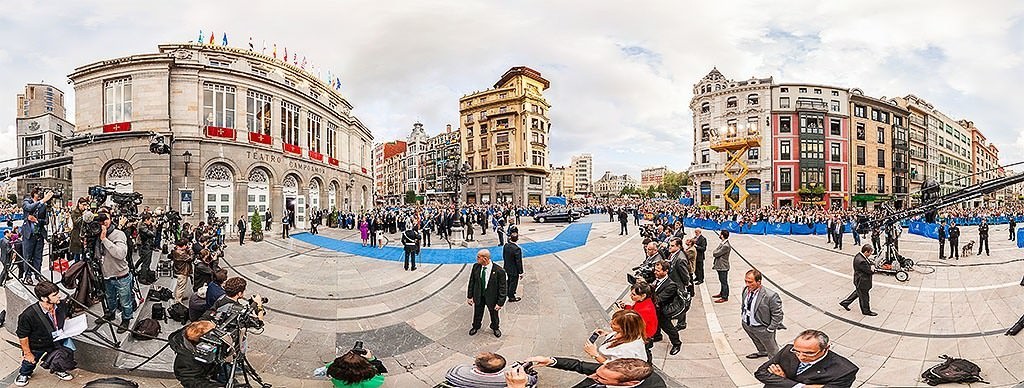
159,312
159,294
178,313
147,277
953,370
146,329
111,382
60,359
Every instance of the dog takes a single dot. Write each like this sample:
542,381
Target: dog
967,249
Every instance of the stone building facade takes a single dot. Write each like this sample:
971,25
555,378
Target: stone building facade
652,177
611,185
40,99
389,172
726,107
985,165
262,134
880,153
583,171
39,138
948,144
504,133
561,181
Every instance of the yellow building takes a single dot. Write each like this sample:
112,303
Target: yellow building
504,136
561,181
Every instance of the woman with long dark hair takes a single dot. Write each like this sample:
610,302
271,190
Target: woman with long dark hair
354,370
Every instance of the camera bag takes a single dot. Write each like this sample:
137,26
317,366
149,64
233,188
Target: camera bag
159,312
178,313
111,382
147,277
146,329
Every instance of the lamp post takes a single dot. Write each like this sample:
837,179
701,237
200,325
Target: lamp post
187,158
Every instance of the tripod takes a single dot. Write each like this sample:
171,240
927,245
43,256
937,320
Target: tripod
241,364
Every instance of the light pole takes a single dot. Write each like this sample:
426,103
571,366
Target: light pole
187,158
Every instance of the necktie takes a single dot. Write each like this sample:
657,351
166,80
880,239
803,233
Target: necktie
750,301
483,278
803,367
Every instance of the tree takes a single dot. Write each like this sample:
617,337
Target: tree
256,225
674,183
410,197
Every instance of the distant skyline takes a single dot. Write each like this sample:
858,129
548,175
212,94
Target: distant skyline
621,76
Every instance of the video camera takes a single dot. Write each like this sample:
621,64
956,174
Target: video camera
221,342
57,192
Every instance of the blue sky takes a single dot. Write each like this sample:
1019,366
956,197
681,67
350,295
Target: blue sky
621,72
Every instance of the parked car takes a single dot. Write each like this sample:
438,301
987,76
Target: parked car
562,215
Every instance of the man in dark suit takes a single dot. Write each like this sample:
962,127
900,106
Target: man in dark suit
623,220
807,362
270,219
487,287
983,236
241,230
760,315
838,236
862,272
701,243
1013,226
512,255
942,241
622,372
954,240
667,292
679,273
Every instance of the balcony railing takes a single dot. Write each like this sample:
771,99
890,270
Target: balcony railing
812,105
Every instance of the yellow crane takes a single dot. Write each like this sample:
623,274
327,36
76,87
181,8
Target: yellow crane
735,146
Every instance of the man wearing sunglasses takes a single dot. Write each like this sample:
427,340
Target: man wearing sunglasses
807,363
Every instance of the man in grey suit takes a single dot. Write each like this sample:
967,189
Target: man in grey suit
761,315
721,265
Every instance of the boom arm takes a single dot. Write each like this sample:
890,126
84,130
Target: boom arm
950,199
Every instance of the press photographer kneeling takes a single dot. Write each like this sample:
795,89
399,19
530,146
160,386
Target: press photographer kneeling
189,371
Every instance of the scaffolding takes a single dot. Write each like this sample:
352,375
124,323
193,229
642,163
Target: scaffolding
736,168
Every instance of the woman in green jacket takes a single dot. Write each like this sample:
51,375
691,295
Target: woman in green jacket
353,370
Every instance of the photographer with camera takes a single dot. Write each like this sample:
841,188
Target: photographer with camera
488,371
34,233
112,252
76,245
147,243
623,372
189,371
234,293
357,368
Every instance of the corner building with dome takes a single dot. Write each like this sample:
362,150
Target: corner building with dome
257,133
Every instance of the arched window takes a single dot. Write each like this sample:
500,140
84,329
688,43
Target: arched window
731,102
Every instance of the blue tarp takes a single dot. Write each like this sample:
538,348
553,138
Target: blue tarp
1020,238
800,229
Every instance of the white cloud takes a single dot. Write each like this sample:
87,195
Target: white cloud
621,74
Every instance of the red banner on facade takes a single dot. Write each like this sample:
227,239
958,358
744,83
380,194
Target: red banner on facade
118,127
316,155
221,132
364,170
292,148
332,161
256,137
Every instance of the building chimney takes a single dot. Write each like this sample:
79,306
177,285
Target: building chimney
448,128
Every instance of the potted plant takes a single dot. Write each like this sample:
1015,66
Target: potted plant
256,225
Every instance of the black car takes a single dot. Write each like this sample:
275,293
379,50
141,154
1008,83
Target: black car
563,215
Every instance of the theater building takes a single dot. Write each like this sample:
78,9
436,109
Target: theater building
247,132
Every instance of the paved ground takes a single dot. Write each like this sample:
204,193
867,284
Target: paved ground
417,322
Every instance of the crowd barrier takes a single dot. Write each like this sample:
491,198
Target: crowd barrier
12,217
786,228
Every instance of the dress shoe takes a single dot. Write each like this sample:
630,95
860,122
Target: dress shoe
674,350
473,331
497,333
123,327
721,300
699,282
845,306
514,299
870,313
753,356
716,296
413,268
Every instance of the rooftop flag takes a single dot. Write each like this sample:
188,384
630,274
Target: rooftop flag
224,42
212,37
200,37
275,50
250,45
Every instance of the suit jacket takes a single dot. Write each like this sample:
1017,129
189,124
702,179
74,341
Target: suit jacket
942,233
701,244
665,293
832,370
862,272
497,286
679,269
767,308
721,255
589,368
512,255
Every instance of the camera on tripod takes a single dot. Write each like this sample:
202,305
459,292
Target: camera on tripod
220,343
55,192
644,272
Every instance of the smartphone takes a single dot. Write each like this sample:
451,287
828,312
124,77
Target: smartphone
594,337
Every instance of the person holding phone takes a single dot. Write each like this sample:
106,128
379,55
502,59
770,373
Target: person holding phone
625,340
641,293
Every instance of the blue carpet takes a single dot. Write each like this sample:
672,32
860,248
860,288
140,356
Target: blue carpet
574,235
